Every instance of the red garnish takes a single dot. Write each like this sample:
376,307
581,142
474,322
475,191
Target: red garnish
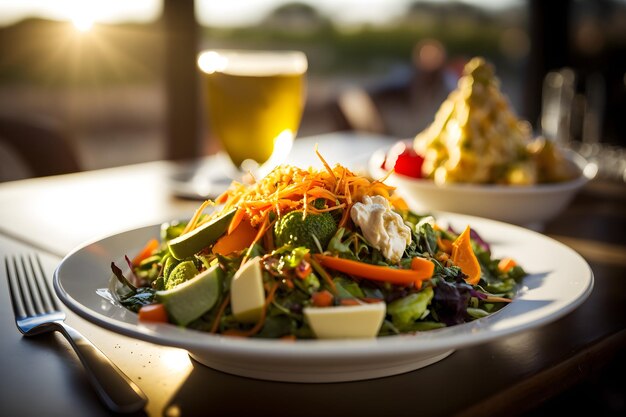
404,160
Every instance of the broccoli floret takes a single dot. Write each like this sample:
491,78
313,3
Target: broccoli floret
296,230
182,272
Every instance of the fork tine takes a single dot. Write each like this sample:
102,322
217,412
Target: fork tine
14,287
52,298
24,288
32,290
48,298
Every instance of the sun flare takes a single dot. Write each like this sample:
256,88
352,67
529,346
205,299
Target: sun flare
80,15
82,23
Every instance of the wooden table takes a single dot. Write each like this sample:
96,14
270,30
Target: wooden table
515,375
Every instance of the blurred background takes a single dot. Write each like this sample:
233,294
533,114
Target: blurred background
115,82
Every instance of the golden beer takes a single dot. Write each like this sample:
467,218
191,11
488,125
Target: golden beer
254,100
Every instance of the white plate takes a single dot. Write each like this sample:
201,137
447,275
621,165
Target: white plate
559,281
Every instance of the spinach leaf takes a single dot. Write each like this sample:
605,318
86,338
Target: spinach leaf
143,296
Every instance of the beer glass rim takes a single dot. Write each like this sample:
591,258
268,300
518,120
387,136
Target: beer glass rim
229,60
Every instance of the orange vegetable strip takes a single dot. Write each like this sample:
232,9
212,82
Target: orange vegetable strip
155,313
463,256
147,250
319,192
236,241
506,264
236,220
258,236
376,272
318,268
343,177
194,219
220,312
268,240
444,245
328,168
322,298
344,216
423,265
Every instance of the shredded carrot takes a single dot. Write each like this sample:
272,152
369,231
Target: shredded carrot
288,188
264,227
345,216
220,312
196,216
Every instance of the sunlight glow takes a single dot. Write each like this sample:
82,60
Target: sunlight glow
79,13
176,360
97,11
82,23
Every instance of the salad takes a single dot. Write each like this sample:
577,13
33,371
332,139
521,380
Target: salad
307,253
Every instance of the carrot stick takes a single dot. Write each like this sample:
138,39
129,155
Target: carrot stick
153,312
421,264
322,298
145,252
378,273
506,264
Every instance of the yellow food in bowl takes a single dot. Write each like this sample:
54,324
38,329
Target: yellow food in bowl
476,138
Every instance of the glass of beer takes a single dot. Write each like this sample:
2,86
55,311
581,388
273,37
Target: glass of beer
254,101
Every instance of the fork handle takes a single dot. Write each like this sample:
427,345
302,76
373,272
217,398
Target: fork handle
113,387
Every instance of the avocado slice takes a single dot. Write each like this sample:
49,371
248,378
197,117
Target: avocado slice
191,299
186,245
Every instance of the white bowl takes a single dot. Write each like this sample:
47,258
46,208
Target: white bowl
529,206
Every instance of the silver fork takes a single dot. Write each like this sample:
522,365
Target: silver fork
37,311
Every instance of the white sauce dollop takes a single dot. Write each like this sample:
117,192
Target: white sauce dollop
383,228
